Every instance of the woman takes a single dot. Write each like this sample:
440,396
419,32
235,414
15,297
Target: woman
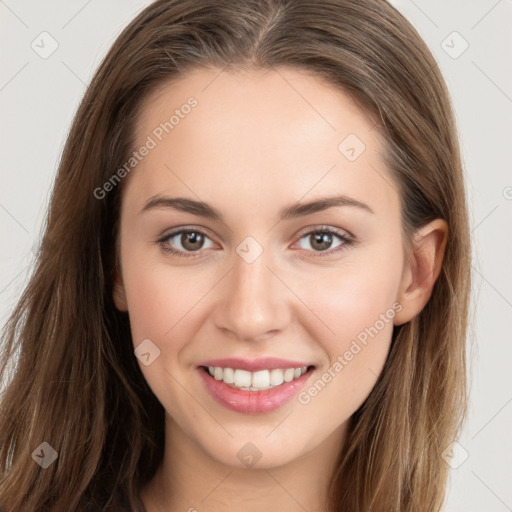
252,289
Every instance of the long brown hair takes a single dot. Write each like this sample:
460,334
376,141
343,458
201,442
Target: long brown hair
75,383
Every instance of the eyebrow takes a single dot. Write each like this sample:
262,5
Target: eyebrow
296,210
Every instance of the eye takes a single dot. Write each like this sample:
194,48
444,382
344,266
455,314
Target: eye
185,242
320,240
190,240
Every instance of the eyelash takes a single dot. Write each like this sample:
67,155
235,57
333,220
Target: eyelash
346,239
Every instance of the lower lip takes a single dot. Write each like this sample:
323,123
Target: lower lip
253,401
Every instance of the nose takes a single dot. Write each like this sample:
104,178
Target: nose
254,303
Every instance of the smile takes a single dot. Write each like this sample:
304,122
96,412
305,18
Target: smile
255,381
254,386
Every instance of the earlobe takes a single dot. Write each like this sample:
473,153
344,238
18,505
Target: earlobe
422,269
118,293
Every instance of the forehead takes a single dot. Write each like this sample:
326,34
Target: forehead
260,133
273,101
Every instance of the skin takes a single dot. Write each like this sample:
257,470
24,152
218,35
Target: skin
259,141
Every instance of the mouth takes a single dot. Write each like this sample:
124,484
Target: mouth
259,391
260,380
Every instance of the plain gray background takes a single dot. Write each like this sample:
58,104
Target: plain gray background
472,42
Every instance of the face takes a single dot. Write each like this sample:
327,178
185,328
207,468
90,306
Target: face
263,289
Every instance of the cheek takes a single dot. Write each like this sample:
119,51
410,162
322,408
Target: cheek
160,297
163,303
353,297
152,300
354,310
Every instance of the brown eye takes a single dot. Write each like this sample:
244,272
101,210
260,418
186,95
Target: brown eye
192,240
184,242
321,240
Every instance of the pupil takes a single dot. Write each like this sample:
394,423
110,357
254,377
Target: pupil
191,239
324,239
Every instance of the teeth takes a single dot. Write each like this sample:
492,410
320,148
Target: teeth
261,379
229,376
242,379
289,374
276,377
255,381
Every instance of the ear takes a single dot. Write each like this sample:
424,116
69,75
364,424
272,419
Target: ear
421,270
118,293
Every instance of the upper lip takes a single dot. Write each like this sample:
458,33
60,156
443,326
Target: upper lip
254,365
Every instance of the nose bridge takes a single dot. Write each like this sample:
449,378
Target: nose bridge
254,303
